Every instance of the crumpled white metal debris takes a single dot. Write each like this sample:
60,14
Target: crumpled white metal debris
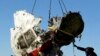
24,23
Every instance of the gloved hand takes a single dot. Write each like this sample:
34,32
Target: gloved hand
52,28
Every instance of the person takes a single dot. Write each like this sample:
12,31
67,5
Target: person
89,50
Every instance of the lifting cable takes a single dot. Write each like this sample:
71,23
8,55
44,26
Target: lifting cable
73,47
33,6
64,5
61,6
50,9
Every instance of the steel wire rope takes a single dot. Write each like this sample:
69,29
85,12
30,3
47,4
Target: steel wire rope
50,9
61,6
64,5
33,6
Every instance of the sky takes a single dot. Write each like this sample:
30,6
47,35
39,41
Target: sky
89,9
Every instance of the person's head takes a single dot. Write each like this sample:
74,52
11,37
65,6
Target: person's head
90,49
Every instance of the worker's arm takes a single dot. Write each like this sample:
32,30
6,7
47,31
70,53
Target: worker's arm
80,48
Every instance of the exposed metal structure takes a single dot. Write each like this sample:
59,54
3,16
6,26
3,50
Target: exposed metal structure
28,39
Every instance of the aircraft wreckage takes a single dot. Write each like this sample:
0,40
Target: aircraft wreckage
28,39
